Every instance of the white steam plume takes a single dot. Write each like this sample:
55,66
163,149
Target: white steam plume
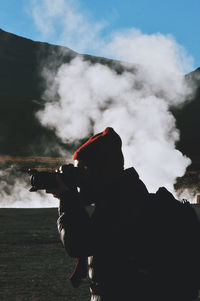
63,20
93,97
136,105
14,192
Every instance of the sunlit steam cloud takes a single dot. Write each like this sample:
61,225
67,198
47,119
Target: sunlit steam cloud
14,191
84,98
64,21
93,97
136,104
189,194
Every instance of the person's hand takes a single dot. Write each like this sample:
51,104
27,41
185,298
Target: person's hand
59,189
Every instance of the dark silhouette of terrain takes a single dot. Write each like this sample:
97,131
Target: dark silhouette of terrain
20,85
21,88
188,122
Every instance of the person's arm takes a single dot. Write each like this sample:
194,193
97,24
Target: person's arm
74,225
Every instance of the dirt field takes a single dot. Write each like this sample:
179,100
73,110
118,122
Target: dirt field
33,262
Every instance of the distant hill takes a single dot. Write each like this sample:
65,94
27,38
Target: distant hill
21,62
21,85
188,122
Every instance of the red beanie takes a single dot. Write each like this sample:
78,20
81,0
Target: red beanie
102,146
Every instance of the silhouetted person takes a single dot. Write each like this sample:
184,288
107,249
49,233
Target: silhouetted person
117,238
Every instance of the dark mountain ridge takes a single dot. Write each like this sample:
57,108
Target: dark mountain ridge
21,84
20,64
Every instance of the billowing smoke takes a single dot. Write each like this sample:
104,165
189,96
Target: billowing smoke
84,98
189,194
14,191
64,22
135,103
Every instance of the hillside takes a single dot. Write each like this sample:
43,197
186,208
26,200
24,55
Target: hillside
21,88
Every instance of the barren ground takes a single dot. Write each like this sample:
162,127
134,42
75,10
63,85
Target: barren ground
33,262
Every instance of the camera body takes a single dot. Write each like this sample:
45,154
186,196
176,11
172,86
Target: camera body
44,180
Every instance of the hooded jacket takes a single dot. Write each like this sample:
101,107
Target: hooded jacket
109,237
129,250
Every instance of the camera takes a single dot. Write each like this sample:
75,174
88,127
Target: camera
44,180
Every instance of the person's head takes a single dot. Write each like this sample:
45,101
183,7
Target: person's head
100,159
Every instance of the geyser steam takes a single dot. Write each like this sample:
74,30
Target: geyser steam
14,191
136,104
84,98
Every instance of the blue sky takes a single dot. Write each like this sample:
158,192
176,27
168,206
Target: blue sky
179,18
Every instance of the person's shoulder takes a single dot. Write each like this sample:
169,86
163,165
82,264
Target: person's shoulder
132,181
129,176
131,173
132,190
